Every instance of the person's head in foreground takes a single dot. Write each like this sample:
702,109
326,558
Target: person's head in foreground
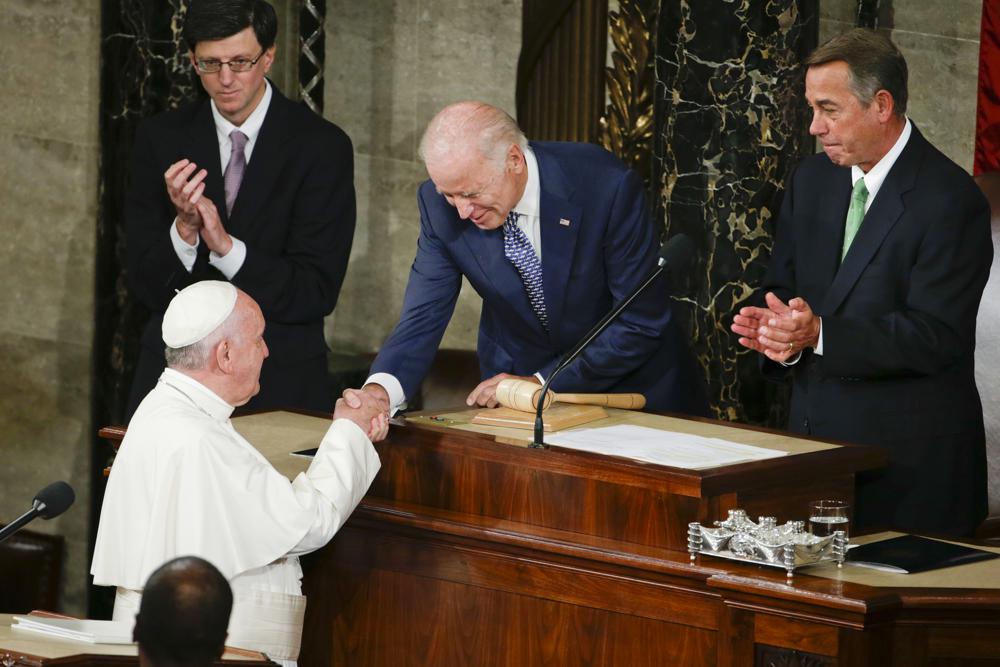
183,615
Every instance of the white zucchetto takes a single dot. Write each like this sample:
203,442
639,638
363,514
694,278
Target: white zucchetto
196,311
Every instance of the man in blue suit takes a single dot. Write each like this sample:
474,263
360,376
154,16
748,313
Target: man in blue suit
551,236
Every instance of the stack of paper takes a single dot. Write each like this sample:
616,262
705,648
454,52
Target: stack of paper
81,630
667,448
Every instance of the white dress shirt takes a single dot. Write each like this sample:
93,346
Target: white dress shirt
230,263
873,182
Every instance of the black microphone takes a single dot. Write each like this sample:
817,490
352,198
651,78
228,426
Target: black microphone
674,257
48,503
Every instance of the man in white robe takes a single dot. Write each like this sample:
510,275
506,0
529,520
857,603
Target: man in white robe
185,482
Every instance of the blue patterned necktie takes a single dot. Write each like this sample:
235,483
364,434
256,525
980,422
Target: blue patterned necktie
517,248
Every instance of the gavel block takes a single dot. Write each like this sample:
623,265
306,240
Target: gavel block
523,395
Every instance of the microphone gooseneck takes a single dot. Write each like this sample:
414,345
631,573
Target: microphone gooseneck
674,257
48,503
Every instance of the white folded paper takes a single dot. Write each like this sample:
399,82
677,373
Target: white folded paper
81,630
667,448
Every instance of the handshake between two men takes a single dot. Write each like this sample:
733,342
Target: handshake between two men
375,396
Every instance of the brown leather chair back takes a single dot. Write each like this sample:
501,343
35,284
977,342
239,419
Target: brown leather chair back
31,565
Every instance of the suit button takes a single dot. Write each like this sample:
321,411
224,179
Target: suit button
805,424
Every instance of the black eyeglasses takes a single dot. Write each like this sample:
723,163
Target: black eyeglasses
235,65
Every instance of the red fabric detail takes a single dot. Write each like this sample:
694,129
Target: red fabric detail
987,156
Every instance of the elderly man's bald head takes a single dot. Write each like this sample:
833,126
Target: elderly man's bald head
470,125
475,155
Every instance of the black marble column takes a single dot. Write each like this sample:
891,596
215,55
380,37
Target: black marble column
730,122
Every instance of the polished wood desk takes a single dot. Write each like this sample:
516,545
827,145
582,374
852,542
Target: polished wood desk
471,552
467,551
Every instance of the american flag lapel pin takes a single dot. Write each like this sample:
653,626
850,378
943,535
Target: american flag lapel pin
564,222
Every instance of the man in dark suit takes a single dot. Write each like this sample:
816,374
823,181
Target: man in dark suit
244,186
881,255
573,218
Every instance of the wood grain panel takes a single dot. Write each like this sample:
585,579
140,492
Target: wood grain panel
799,635
428,613
597,495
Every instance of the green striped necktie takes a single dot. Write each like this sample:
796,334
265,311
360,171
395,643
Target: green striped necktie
855,214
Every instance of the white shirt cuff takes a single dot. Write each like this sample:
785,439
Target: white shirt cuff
397,401
230,263
538,376
186,252
791,361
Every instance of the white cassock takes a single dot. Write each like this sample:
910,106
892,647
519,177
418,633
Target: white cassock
185,482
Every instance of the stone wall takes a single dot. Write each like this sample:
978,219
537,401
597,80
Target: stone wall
48,186
390,67
940,41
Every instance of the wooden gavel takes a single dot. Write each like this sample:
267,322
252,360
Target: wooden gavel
523,395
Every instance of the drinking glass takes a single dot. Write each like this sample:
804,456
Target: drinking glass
827,516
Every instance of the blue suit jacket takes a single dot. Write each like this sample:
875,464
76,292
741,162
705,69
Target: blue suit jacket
588,265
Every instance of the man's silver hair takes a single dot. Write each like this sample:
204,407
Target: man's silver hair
195,357
462,125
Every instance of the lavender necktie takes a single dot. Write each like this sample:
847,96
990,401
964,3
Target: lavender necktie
234,170
517,248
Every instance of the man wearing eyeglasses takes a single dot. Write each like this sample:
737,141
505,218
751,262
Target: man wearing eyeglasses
245,186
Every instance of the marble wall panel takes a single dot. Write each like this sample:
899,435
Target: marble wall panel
390,67
943,86
49,76
45,436
940,42
384,243
467,49
285,70
46,255
957,18
48,184
372,67
730,125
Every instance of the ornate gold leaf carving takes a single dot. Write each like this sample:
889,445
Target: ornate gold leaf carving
627,123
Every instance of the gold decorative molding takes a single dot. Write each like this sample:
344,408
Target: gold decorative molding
627,123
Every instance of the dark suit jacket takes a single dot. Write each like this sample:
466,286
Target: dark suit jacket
588,265
295,212
899,322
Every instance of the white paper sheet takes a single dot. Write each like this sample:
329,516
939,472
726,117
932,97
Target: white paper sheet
667,448
83,630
